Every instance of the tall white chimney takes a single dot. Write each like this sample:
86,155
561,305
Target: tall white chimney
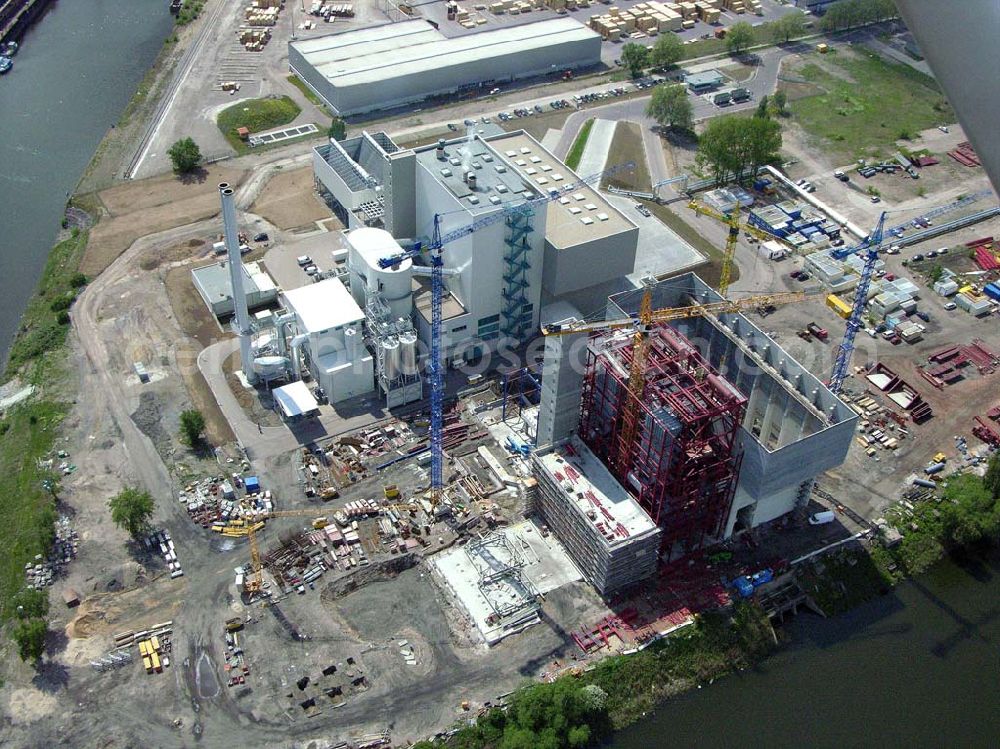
243,328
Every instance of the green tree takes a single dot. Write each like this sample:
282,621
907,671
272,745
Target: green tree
185,155
31,604
762,108
789,26
635,57
739,38
935,275
131,510
338,129
735,147
667,51
846,14
970,515
192,426
671,107
30,638
780,101
992,478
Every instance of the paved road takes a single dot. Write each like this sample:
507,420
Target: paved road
764,80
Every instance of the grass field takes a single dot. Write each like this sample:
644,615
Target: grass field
867,105
306,91
576,152
26,508
257,115
627,146
46,319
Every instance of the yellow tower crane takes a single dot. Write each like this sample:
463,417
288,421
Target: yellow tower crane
648,317
254,582
732,220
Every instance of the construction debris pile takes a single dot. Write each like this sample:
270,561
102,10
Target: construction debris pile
948,363
236,665
154,644
363,529
325,470
227,505
42,571
880,427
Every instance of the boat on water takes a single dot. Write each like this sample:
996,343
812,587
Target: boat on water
5,64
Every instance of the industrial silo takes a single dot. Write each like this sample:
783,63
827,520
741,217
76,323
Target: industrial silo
391,352
366,247
408,352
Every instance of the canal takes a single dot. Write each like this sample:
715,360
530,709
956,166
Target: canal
918,668
77,68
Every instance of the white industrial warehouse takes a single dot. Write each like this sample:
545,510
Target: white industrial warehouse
395,64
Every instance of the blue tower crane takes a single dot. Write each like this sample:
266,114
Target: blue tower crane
437,273
872,243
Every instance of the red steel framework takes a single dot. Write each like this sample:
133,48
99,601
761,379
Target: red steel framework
682,463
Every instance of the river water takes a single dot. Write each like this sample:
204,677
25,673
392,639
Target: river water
77,68
917,668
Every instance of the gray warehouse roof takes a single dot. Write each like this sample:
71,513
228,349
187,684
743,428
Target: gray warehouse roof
367,56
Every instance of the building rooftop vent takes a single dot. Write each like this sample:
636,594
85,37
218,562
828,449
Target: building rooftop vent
535,160
501,188
476,165
525,149
546,168
474,200
579,196
501,168
587,220
446,172
511,153
520,162
564,201
602,217
495,199
453,161
574,210
530,171
557,177
590,207
542,181
487,157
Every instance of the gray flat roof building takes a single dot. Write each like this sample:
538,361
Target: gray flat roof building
216,288
395,64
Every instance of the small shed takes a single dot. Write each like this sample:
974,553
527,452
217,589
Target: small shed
71,598
243,132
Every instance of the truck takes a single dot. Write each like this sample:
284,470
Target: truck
820,333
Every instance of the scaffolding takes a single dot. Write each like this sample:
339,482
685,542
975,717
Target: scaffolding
682,461
516,313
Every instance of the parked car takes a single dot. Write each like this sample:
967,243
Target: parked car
924,316
643,210
311,270
303,260
932,254
950,306
841,176
918,257
876,199
262,237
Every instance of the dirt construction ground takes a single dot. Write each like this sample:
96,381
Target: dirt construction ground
136,209
123,432
289,200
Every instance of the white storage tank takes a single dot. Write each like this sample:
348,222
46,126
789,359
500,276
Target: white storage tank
390,349
366,246
408,352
